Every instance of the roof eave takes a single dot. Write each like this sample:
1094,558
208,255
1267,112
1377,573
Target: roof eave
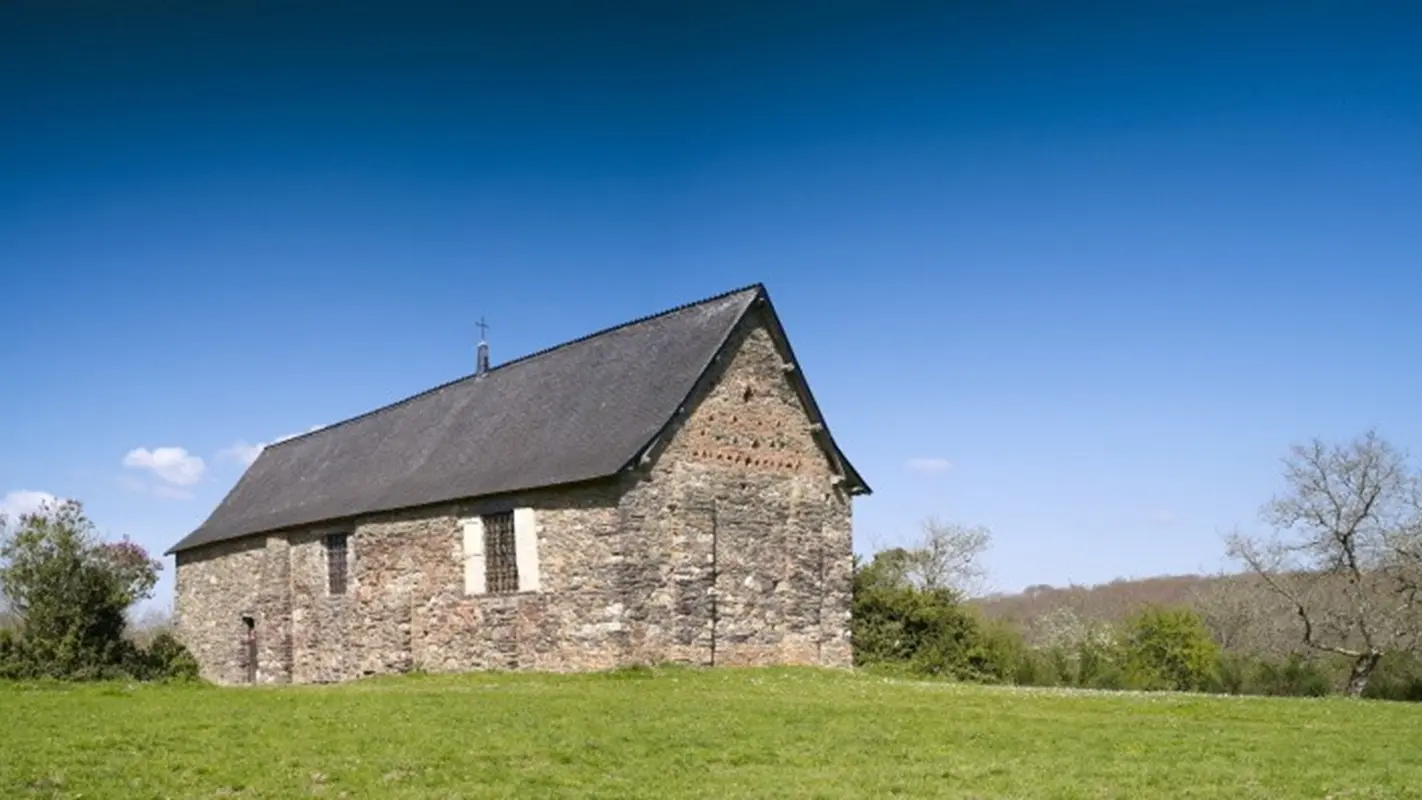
183,544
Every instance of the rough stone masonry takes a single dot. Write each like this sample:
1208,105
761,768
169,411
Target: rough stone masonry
728,543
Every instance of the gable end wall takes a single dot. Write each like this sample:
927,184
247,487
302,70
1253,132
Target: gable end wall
742,495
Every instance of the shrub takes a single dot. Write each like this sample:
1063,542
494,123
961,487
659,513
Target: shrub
1293,677
1048,666
1060,666
1169,649
925,631
1234,674
1398,677
996,653
1099,665
69,591
13,664
167,659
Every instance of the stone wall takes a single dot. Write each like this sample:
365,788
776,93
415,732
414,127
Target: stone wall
219,585
743,491
730,546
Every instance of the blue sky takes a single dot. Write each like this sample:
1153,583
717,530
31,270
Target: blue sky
1079,277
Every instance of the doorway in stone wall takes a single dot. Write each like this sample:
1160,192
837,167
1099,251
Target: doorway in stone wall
249,645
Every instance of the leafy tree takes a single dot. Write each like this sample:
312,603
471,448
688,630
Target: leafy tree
894,621
925,630
1170,649
70,589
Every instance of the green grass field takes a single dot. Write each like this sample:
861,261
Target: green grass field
694,733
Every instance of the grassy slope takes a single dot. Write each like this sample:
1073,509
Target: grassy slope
691,733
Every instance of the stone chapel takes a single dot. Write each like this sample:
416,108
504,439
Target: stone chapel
662,491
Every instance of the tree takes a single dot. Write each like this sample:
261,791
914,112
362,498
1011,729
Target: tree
1345,552
146,625
947,556
927,631
69,589
1246,617
1170,648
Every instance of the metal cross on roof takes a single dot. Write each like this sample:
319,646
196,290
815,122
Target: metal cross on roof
483,328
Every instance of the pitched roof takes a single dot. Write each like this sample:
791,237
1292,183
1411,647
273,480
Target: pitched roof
582,410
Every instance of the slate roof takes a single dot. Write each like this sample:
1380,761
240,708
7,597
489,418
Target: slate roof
576,412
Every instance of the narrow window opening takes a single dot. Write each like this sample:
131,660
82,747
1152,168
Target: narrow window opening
336,566
500,549
249,647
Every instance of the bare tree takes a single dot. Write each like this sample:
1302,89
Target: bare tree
1245,616
146,623
1345,550
948,556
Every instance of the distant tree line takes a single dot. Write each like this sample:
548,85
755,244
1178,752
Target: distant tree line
1329,602
66,595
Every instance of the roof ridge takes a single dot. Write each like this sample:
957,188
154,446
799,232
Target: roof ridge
757,286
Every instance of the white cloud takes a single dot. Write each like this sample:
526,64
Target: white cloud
172,464
24,501
929,466
244,453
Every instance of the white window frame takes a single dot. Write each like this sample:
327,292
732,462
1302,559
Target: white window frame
473,550
525,522
526,548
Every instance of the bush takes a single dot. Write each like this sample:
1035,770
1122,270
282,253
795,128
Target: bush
165,659
1038,668
69,591
1294,677
928,630
1234,674
1170,649
1398,677
1058,665
12,661
997,653
925,631
1100,665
